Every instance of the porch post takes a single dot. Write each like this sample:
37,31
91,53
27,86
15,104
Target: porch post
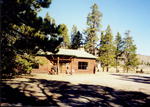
57,65
71,67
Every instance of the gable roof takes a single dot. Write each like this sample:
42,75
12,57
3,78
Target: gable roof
71,52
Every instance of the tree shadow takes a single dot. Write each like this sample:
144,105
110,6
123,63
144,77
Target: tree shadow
15,97
60,93
134,78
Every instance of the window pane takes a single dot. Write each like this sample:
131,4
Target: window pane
82,65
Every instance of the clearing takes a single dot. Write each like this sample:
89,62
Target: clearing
101,89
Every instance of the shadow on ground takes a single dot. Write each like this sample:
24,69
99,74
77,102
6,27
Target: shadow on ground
41,92
134,78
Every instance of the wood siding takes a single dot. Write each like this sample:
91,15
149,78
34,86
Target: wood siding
73,65
90,68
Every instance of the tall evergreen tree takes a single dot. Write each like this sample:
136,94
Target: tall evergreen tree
63,30
24,33
50,19
106,49
93,22
76,38
119,49
130,60
49,25
73,32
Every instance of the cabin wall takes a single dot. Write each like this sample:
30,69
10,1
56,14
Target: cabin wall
73,65
45,65
90,68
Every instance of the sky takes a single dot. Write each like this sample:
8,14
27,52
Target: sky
121,15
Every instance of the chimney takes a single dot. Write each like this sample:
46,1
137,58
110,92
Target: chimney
81,49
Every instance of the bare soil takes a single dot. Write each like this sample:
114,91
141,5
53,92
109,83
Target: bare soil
100,89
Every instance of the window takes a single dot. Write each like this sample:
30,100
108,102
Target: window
82,65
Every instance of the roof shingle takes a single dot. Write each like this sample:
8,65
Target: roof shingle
72,52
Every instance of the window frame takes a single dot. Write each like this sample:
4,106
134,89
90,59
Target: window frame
82,65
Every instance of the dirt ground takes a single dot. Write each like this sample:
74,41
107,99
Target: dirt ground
100,89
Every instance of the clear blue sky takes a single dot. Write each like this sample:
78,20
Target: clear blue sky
121,15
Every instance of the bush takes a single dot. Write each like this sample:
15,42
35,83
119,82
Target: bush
25,63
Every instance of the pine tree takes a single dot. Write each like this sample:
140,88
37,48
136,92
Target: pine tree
93,22
49,26
76,38
73,32
63,31
119,49
106,49
130,60
50,19
24,33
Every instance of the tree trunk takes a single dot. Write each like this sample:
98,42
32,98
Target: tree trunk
127,70
103,69
116,66
107,69
117,69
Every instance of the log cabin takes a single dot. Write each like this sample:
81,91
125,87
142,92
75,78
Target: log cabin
73,60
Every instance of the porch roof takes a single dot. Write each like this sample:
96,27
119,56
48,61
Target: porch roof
71,52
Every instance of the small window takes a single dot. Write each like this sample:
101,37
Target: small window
82,65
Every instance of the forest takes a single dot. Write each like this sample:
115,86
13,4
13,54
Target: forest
24,33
